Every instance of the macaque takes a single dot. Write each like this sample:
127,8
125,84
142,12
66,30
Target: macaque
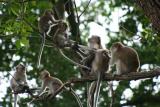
94,43
125,58
100,65
59,34
18,79
45,23
53,84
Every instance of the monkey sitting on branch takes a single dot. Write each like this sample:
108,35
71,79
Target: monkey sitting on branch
94,43
18,81
54,84
125,58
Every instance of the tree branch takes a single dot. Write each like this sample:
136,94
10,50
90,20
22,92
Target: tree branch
110,77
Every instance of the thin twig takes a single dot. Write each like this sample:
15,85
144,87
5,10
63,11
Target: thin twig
80,65
75,6
78,21
84,9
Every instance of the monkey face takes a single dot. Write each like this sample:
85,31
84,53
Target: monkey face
20,68
44,74
94,45
115,47
94,42
94,39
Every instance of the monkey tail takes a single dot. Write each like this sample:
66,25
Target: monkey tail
97,91
77,97
41,50
15,100
91,92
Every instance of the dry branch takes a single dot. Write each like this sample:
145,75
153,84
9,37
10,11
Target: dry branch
110,77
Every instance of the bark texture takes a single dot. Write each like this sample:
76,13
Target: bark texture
151,9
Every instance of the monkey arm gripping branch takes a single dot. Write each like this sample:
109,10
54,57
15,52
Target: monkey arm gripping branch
128,77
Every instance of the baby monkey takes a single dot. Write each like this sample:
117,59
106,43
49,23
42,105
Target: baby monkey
18,80
54,84
125,58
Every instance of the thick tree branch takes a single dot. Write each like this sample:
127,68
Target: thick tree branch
110,77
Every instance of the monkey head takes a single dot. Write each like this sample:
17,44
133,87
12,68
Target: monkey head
116,46
44,74
20,68
94,42
62,26
48,12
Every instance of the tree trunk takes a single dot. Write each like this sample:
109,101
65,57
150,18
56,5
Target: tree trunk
151,9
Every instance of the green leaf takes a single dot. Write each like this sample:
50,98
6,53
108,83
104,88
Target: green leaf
24,41
18,44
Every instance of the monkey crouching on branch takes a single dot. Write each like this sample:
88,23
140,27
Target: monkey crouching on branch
54,84
100,65
125,58
18,80
49,82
